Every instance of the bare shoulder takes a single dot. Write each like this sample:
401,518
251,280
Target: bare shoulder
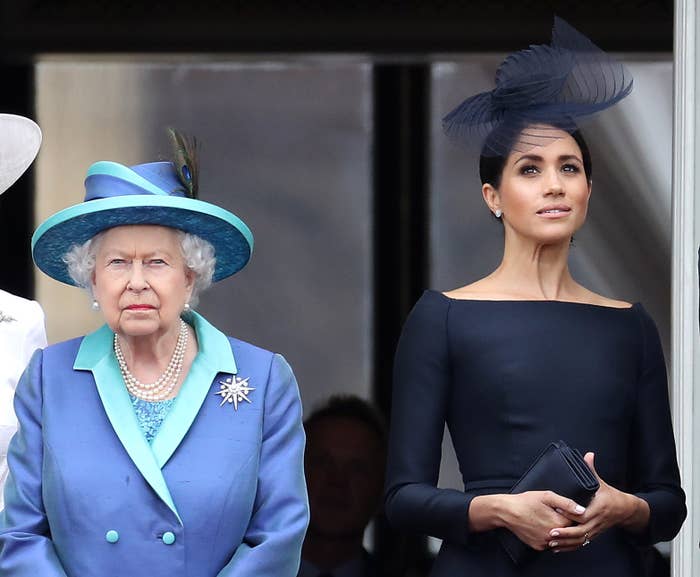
603,301
483,289
489,289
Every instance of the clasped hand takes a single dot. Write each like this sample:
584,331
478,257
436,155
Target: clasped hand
546,520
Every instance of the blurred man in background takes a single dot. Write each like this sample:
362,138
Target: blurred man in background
344,464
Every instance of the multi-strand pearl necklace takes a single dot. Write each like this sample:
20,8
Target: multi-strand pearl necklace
164,385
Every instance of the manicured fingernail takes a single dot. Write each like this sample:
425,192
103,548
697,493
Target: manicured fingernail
554,533
553,544
578,509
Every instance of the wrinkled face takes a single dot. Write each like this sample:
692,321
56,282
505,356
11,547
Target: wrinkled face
544,191
344,466
140,280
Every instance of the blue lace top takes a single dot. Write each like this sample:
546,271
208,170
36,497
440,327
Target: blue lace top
150,415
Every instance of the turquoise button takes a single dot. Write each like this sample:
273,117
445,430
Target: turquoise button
112,536
168,538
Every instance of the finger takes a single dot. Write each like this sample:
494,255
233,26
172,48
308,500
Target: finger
563,505
575,518
593,510
574,532
589,458
560,519
568,544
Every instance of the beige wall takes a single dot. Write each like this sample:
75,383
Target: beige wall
67,112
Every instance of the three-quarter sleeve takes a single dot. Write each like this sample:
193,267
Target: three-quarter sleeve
653,474
26,548
421,391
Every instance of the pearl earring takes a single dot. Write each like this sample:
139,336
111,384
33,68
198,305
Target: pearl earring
95,305
187,307
498,213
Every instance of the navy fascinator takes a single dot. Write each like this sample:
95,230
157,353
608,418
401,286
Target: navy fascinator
553,85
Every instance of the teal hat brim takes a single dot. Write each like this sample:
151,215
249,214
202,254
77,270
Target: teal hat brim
231,238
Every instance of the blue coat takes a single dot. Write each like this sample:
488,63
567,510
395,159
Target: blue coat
220,492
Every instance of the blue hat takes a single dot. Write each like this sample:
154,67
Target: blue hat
556,84
117,195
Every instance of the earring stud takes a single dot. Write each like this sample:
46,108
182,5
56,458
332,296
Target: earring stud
498,213
95,305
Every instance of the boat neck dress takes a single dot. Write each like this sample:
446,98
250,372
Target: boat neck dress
508,378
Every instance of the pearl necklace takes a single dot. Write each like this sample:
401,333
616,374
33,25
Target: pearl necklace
164,385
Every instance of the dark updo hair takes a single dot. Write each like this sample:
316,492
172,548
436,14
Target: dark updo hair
491,165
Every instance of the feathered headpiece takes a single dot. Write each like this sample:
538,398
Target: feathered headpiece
555,84
186,161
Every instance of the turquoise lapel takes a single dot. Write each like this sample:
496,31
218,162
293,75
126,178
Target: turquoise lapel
214,356
95,354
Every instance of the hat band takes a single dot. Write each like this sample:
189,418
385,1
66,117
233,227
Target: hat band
105,186
107,179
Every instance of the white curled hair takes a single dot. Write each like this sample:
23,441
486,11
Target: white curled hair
80,262
200,258
198,254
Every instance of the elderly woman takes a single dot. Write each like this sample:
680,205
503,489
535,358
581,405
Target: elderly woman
21,321
155,446
527,356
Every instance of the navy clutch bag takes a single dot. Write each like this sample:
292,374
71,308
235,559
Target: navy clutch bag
561,469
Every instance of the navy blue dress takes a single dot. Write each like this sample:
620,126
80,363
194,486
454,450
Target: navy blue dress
509,377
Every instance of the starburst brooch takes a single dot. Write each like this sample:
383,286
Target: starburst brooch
234,390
